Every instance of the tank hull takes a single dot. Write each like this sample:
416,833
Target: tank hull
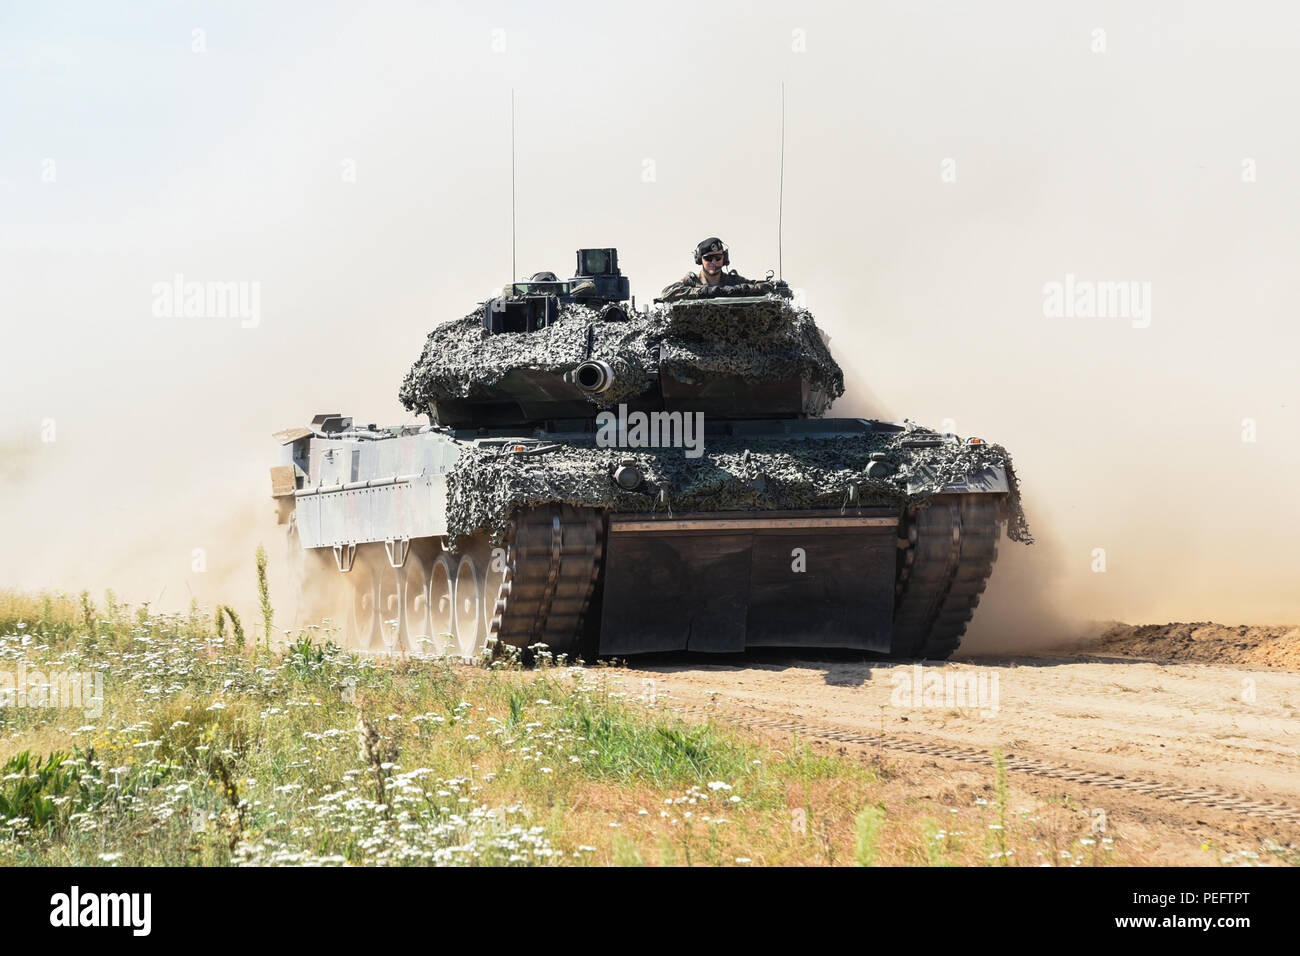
620,573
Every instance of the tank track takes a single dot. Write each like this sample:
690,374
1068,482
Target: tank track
945,560
554,561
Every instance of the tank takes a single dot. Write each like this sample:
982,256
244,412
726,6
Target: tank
608,481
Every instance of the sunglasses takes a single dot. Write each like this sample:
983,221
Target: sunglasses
715,257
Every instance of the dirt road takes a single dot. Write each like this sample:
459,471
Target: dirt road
1191,753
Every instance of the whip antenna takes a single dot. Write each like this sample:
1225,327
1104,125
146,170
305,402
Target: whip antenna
513,275
780,191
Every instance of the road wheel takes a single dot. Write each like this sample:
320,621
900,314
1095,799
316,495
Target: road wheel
471,622
495,573
364,627
391,608
417,617
442,607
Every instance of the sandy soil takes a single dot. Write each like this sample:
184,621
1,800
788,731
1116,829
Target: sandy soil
1207,642
1211,706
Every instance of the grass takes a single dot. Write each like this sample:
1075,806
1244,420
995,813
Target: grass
212,751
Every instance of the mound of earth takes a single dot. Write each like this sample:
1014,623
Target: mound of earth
1263,646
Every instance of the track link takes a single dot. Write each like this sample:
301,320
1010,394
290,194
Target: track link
956,543
554,560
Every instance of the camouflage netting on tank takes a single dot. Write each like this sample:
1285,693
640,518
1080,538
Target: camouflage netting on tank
760,341
768,340
718,319
485,487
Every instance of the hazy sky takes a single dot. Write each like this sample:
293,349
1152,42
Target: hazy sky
945,162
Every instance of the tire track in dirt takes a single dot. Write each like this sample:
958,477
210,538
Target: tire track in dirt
1223,737
1201,796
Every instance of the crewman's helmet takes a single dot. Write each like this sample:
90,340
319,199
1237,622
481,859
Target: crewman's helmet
712,244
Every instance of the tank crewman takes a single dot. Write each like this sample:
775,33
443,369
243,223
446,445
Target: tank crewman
712,256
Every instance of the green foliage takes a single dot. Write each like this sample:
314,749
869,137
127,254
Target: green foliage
518,701
937,843
626,853
663,751
866,827
234,623
1004,793
264,593
100,788
667,851
87,613
209,734
306,659
30,787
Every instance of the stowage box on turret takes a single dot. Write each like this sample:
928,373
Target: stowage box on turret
607,481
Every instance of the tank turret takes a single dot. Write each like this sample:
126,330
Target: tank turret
553,350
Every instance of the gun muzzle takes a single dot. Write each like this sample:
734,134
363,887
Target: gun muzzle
593,376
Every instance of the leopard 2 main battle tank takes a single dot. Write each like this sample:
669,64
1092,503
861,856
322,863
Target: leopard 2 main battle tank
607,481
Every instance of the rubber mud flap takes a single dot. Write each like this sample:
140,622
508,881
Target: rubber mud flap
675,592
722,591
823,589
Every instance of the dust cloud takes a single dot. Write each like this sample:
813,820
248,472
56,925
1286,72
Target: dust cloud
945,169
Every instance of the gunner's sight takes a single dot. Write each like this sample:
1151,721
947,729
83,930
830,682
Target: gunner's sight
597,262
